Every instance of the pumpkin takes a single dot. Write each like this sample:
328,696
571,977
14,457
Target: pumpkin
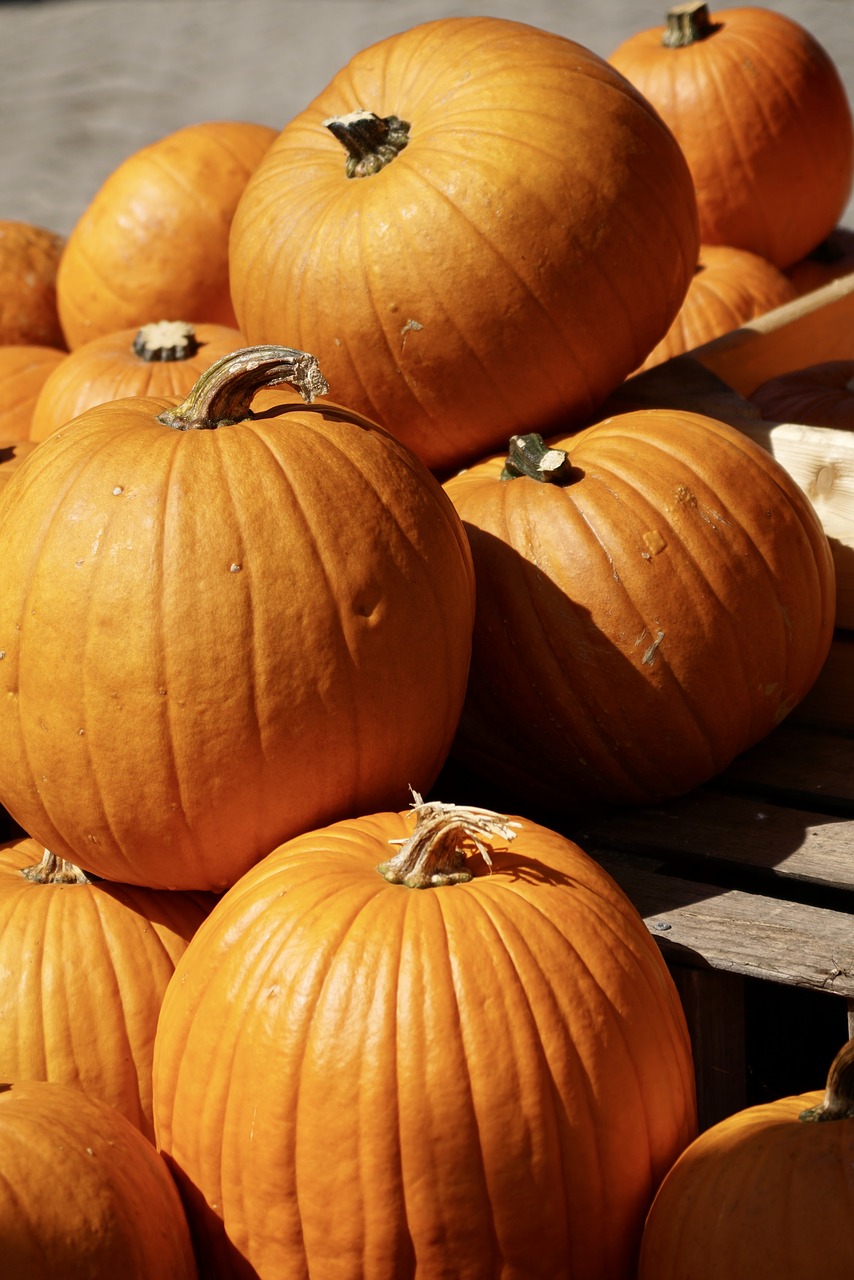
221,626
29,260
728,288
478,226
654,595
83,968
830,260
153,240
83,1194
12,454
164,358
402,1045
762,116
820,395
23,370
767,1192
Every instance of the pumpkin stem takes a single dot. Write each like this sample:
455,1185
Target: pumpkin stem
166,340
688,24
444,834
223,393
54,870
530,456
838,1100
372,141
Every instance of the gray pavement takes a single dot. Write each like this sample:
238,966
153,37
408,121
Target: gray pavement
83,83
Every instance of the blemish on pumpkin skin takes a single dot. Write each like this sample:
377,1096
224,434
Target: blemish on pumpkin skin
651,650
654,543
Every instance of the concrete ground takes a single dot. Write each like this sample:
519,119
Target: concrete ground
83,83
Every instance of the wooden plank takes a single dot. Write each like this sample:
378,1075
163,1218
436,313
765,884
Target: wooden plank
801,763
830,702
713,1003
699,925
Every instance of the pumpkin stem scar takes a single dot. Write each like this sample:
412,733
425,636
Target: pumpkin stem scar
838,1100
223,393
530,456
55,870
444,834
371,141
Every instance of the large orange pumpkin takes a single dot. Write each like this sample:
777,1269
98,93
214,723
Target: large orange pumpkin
83,968
505,234
654,594
221,627
485,1074
762,116
23,372
766,1193
153,240
29,260
83,1195
160,359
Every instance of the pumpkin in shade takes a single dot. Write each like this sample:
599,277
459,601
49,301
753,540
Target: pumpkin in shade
478,227
83,967
164,358
23,371
222,625
820,395
728,288
29,261
767,1193
437,1043
83,1195
153,240
762,116
830,260
654,594
12,454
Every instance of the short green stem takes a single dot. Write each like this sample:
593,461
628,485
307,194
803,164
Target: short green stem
224,392
838,1100
166,340
530,456
688,24
55,870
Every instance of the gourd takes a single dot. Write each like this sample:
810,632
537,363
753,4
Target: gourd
164,358
819,395
152,243
83,1194
767,1192
223,622
83,968
654,595
763,119
29,261
431,1042
478,227
23,370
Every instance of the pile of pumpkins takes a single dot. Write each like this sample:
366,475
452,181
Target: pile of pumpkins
309,515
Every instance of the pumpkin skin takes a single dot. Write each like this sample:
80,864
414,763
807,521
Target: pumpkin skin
83,1194
821,395
214,639
83,969
729,287
541,220
764,1193
153,241
23,371
499,1069
120,364
639,627
12,454
29,260
773,173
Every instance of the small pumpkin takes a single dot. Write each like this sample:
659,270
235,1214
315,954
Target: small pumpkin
164,358
437,1042
29,261
728,288
467,199
153,240
83,968
83,1194
654,595
820,395
23,371
767,1192
762,116
223,622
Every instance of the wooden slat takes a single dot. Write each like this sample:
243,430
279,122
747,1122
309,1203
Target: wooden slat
830,702
803,764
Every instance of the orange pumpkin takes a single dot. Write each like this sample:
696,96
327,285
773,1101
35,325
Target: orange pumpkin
83,968
729,287
29,260
159,359
821,395
833,258
654,594
12,454
766,1193
485,1074
153,241
83,1194
23,371
505,234
762,116
221,627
